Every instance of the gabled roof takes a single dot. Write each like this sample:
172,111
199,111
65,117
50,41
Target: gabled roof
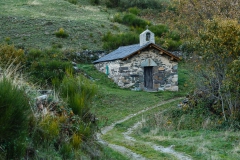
126,51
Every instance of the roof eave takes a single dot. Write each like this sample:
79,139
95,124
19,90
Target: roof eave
155,46
106,61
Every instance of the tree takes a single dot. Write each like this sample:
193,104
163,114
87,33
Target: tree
219,45
193,13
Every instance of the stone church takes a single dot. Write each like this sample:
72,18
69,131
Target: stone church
143,66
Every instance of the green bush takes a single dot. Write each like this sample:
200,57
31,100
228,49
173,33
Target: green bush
8,53
43,66
172,45
113,41
44,71
142,4
174,35
133,20
78,93
112,3
35,55
117,18
159,30
134,10
95,2
61,33
72,1
15,112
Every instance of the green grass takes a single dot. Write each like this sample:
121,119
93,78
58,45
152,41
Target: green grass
32,24
204,144
110,154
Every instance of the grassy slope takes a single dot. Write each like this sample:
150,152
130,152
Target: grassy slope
32,23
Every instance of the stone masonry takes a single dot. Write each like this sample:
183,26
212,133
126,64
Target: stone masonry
130,73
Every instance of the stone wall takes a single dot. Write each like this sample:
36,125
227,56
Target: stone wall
130,73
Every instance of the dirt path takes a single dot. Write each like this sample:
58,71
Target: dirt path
127,136
169,150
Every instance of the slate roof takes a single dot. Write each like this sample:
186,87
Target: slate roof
123,52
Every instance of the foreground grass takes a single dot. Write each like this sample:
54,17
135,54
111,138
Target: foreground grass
110,154
201,145
32,24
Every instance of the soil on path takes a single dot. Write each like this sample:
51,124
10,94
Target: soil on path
128,152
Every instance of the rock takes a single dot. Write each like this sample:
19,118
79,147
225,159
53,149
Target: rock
175,67
42,97
161,89
174,88
185,100
168,85
45,92
179,105
175,79
74,64
76,68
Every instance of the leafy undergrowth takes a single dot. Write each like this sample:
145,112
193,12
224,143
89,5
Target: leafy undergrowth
51,126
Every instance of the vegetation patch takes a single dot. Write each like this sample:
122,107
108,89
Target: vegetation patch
61,33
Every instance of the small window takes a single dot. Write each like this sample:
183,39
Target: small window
148,36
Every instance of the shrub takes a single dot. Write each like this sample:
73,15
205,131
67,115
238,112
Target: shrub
112,3
8,40
142,4
117,18
76,141
72,1
15,112
112,41
171,44
44,71
133,20
159,30
61,33
43,66
66,151
35,55
50,127
95,2
174,35
134,10
9,53
78,93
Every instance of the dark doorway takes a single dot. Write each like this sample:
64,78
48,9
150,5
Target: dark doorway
148,79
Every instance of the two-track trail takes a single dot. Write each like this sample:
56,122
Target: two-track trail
132,155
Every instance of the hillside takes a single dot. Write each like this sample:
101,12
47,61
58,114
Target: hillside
33,23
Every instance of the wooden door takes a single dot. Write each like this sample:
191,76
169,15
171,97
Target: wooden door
148,79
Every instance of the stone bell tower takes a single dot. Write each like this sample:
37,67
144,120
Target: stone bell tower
146,37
